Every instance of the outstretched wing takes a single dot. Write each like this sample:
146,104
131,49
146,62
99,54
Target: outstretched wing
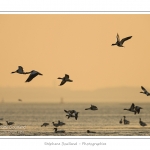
31,76
143,89
132,106
20,68
125,39
118,39
62,82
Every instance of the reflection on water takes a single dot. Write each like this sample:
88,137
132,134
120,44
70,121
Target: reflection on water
105,120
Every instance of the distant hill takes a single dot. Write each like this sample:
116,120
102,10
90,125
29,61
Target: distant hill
49,94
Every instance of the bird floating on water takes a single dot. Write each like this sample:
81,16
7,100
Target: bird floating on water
19,70
64,79
120,43
92,108
45,124
142,123
60,131
88,131
10,123
145,91
32,75
120,121
126,121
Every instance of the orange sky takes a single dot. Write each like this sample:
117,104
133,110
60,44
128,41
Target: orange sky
79,45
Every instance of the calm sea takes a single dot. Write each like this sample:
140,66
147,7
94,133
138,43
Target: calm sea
29,117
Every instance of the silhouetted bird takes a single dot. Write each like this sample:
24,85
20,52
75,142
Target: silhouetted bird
120,43
45,124
10,123
142,123
75,115
65,79
88,131
92,108
132,108
19,70
137,109
1,124
32,75
145,91
126,121
69,111
61,123
20,100
60,131
55,124
120,121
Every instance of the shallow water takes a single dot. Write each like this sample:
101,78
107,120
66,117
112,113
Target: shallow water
28,119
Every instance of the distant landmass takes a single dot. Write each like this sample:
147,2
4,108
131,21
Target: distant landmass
49,94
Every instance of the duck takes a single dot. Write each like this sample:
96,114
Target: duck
45,124
64,79
75,115
132,108
92,108
137,109
61,123
88,131
1,124
19,70
60,131
55,124
145,91
120,43
32,75
69,111
120,121
126,121
10,123
142,123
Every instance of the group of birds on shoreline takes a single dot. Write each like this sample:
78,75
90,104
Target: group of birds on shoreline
73,113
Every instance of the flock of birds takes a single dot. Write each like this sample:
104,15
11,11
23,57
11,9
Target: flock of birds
73,113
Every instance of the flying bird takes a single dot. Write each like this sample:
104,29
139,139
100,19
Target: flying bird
64,79
142,123
137,109
20,100
145,91
19,70
120,43
32,75
75,115
132,108
92,108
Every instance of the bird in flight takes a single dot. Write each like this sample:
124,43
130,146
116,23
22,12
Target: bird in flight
65,79
145,91
120,43
32,75
19,70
